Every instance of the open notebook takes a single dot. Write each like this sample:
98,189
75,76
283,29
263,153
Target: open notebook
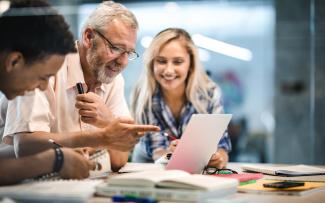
296,170
169,185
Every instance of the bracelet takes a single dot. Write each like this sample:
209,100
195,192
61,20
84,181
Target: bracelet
59,159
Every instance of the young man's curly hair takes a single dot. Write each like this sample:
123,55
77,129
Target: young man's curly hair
35,29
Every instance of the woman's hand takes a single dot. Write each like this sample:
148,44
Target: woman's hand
219,159
171,148
159,152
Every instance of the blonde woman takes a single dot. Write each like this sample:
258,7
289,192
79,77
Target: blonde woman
173,86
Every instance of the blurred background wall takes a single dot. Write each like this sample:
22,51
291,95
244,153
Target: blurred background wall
299,135
268,56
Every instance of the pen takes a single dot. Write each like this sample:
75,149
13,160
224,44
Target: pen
166,134
131,199
170,136
80,91
80,88
56,145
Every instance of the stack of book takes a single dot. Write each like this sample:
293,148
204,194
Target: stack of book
168,185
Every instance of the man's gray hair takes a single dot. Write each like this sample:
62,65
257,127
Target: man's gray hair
108,11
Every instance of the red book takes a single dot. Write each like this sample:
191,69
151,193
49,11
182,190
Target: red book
242,177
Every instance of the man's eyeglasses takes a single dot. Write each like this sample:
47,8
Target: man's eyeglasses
118,50
210,170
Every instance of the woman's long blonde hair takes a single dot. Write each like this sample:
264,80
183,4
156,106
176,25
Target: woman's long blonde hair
197,81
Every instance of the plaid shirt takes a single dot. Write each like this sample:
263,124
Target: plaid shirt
162,117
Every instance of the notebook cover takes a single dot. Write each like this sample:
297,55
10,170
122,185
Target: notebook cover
242,177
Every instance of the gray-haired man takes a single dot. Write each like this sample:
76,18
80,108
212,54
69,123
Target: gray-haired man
98,118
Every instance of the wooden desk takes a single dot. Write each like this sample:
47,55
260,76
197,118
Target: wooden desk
317,197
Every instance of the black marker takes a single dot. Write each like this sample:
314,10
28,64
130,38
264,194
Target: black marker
80,88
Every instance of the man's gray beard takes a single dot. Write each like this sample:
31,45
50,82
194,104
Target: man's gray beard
102,77
99,69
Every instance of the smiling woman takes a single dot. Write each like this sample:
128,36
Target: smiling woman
171,67
173,86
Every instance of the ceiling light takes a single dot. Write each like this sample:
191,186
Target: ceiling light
222,47
4,5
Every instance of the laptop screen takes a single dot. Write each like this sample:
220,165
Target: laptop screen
198,142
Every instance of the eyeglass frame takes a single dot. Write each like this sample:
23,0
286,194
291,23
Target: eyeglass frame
115,49
206,170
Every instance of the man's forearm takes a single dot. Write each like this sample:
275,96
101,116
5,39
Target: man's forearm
39,164
7,151
30,143
117,135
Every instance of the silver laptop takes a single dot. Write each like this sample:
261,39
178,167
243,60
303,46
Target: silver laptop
198,142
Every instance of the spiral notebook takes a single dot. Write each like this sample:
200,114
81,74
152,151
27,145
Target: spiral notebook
50,188
70,191
101,156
